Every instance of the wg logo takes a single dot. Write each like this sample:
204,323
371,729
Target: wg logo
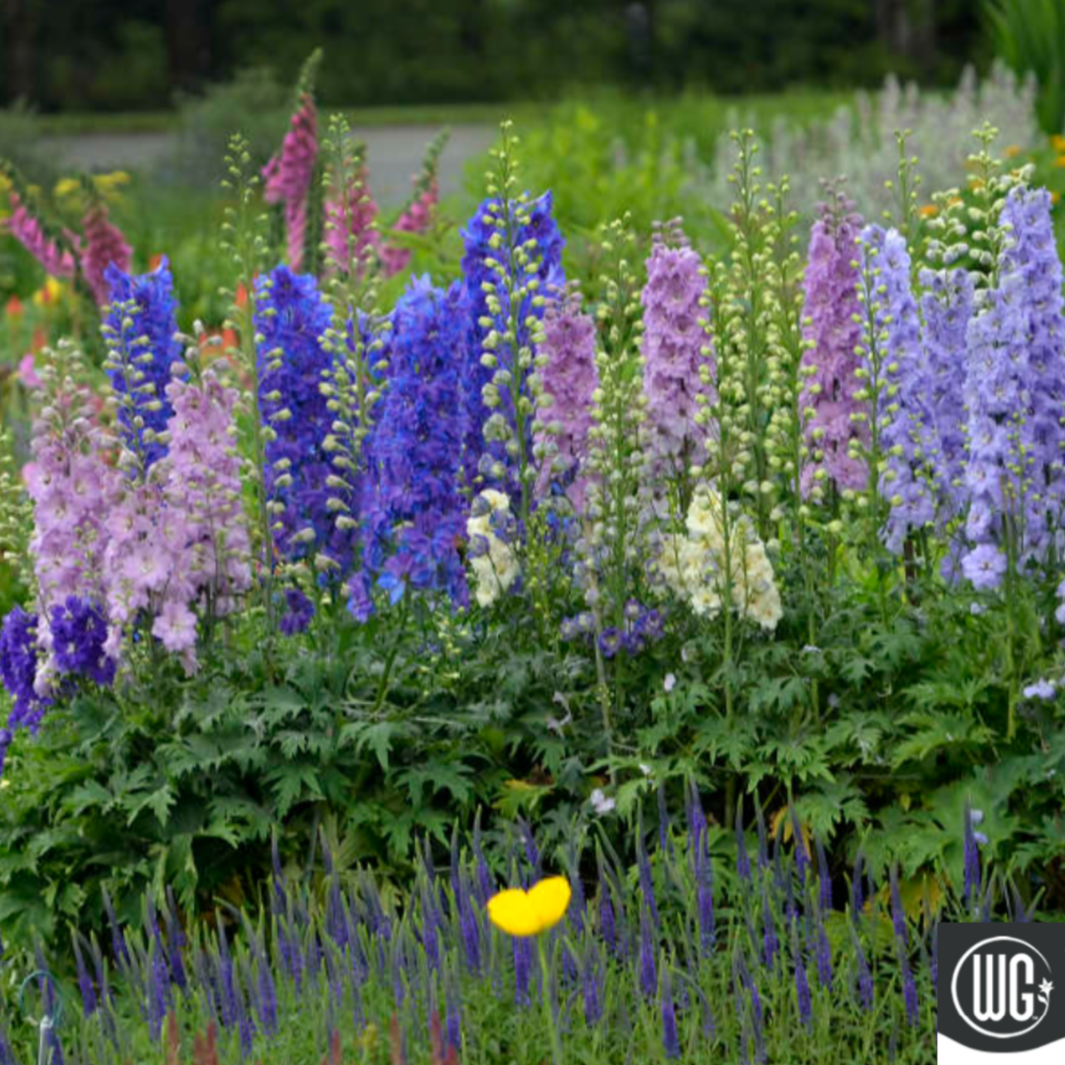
1002,987
995,992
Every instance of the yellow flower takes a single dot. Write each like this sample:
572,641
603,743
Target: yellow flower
48,293
528,913
1055,197
928,210
1057,142
1012,151
67,190
1060,161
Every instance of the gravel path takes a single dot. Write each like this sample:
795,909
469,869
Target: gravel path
395,153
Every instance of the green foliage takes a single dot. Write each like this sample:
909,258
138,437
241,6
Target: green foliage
1030,36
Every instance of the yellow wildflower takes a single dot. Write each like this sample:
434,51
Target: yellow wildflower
928,210
1060,161
1057,142
528,913
48,293
1012,151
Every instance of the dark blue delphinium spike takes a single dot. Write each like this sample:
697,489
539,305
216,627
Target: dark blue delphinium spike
802,991
398,988
85,985
824,876
898,912
648,952
670,1036
647,884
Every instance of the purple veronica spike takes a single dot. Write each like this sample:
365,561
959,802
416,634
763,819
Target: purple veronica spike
802,992
670,1036
898,913
648,967
85,985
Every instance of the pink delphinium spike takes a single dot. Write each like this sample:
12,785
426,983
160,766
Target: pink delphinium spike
73,490
569,379
673,345
417,218
287,176
350,216
28,231
830,361
104,245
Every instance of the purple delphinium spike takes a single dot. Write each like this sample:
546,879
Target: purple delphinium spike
670,1036
226,979
606,915
946,307
830,361
648,966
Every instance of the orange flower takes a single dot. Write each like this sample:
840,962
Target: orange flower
1012,151
1060,161
155,261
242,295
39,340
928,210
14,307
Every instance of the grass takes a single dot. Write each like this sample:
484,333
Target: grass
694,112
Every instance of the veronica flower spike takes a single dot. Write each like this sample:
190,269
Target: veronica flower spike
524,914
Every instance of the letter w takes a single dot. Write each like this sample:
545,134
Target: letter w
994,1008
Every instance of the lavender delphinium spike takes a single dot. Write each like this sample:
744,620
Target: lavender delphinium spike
907,417
591,985
824,955
830,362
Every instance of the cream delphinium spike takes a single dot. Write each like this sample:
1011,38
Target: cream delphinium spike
16,515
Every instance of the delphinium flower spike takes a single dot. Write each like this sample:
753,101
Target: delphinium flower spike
512,265
830,361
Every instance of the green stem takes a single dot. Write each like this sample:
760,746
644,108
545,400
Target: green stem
549,1013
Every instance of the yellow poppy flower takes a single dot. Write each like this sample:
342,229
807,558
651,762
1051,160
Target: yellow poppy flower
528,913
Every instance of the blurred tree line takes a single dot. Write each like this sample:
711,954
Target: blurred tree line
122,54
